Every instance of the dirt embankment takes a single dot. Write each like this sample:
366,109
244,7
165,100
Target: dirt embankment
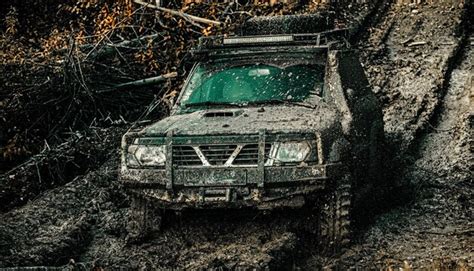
420,65
408,57
84,219
435,229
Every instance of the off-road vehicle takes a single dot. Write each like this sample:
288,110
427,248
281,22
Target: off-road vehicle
263,121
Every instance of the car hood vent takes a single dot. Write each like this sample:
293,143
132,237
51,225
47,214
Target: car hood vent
217,114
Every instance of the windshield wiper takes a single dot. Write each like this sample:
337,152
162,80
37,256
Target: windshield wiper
209,103
289,102
264,102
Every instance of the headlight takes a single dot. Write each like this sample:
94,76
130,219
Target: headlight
140,155
292,151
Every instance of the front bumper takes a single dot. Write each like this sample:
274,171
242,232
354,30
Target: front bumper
231,187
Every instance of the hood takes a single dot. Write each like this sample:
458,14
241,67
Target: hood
249,120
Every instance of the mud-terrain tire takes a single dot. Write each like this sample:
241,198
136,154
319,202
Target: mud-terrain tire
143,219
335,219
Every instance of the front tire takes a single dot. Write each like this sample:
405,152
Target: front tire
143,219
335,219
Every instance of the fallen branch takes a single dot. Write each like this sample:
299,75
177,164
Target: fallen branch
110,48
127,43
143,82
178,13
417,43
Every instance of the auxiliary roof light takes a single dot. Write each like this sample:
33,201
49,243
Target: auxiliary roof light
249,40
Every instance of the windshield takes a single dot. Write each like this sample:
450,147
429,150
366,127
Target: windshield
220,84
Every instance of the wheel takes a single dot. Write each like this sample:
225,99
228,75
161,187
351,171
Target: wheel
335,220
143,219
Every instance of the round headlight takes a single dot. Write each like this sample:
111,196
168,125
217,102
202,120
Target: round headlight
151,155
293,151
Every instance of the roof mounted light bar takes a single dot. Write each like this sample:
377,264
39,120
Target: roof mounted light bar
257,39
316,39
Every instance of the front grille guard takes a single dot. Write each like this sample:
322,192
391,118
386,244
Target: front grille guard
220,155
260,162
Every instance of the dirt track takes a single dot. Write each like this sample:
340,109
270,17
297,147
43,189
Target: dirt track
436,228
425,90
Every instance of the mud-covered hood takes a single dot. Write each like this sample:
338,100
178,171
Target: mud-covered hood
246,121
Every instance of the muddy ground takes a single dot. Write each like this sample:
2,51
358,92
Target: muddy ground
419,61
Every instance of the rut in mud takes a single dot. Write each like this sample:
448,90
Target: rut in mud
409,57
434,229
421,71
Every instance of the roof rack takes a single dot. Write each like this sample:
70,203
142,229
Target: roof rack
288,24
322,39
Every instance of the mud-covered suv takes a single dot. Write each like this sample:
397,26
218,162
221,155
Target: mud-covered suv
263,121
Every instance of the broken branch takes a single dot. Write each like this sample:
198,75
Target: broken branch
417,43
110,47
143,82
178,13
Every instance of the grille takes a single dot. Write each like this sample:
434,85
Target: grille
217,155
185,156
249,154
